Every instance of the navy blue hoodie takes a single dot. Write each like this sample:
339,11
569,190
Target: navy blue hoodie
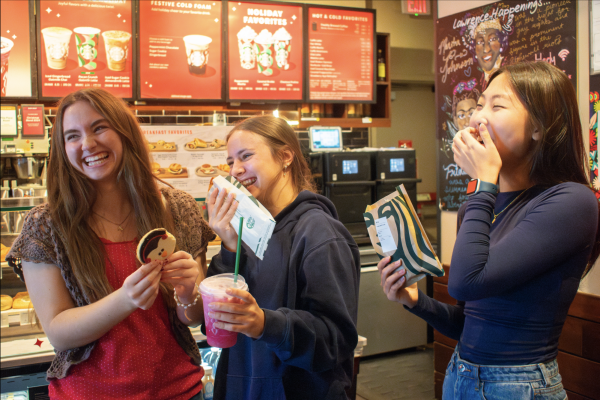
307,285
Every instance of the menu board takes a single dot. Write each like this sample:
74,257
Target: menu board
188,157
265,45
341,55
33,120
470,46
180,50
84,44
17,68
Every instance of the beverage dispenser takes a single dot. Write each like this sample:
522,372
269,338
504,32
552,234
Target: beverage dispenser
347,183
393,168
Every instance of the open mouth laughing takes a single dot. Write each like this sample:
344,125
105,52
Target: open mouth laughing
248,182
95,160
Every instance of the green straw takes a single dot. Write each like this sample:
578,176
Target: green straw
237,253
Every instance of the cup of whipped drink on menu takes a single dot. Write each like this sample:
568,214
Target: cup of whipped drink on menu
213,290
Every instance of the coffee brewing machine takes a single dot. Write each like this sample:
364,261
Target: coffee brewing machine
23,156
354,179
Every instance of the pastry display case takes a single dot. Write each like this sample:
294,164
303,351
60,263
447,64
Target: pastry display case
23,340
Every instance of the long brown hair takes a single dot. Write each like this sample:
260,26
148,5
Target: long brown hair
551,102
71,195
280,136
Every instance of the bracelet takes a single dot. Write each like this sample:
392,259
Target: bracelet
185,306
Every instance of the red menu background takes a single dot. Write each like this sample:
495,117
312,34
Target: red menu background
33,120
340,55
14,20
164,69
106,16
282,84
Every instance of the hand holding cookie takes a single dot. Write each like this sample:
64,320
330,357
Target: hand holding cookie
181,271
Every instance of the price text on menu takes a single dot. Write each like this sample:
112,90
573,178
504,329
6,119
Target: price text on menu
340,55
85,44
265,51
180,49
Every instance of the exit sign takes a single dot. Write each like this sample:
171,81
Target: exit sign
416,7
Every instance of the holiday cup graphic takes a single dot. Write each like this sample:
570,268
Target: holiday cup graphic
282,46
86,39
56,42
246,38
264,52
196,49
6,46
117,45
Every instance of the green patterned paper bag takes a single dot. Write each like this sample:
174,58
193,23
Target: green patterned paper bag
395,230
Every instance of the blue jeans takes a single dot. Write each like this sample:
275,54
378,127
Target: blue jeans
467,381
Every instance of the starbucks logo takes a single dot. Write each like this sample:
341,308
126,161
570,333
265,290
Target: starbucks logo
250,223
116,53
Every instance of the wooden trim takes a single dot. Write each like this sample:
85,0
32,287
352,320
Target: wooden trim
441,357
438,337
579,375
440,293
438,384
575,396
586,306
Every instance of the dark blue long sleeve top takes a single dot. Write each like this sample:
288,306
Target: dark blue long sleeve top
307,285
515,279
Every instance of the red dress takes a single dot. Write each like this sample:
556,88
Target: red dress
138,358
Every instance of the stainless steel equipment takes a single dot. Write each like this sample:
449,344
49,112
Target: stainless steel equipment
29,167
386,325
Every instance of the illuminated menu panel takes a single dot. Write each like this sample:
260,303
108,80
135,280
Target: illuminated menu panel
16,49
340,55
265,51
180,50
85,44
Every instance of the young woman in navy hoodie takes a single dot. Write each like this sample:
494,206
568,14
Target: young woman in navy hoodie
298,318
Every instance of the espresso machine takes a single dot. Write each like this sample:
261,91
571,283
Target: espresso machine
23,160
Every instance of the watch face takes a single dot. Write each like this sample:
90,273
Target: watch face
472,186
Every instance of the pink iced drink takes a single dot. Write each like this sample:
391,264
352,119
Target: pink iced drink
213,291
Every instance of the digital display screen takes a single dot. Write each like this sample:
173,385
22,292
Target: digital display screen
180,50
16,49
265,42
340,54
326,139
349,167
396,164
86,44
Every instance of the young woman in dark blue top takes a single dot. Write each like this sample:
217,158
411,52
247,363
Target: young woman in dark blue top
298,318
519,254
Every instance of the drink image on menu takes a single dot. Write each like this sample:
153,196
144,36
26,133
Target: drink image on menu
281,43
86,39
196,49
6,46
264,54
117,45
246,38
56,42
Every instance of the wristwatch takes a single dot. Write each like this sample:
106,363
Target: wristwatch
476,186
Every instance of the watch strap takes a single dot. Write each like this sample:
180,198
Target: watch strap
477,185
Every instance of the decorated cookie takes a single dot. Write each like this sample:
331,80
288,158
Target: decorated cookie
156,245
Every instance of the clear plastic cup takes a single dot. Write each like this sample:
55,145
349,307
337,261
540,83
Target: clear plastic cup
56,42
117,46
213,291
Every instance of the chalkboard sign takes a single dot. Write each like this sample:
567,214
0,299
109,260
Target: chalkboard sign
471,45
594,114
